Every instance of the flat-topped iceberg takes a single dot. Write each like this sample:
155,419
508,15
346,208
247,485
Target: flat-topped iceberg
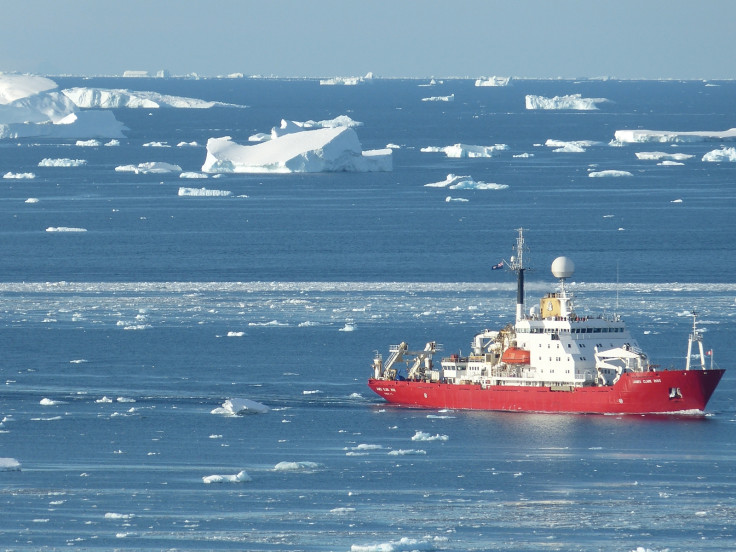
662,156
332,149
607,173
458,182
236,406
32,106
571,101
638,135
103,98
346,81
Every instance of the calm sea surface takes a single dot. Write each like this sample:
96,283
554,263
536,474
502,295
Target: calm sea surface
119,342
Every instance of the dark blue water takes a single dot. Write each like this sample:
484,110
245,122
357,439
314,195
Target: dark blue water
135,330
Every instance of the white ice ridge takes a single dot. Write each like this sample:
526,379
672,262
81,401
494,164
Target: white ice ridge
151,167
465,150
322,150
457,182
492,81
235,407
572,101
723,154
450,98
636,136
102,98
34,106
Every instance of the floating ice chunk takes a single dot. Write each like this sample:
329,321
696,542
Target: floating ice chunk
348,327
405,452
322,150
203,192
19,176
88,143
235,334
156,145
104,400
450,98
458,182
492,81
633,136
462,151
62,162
721,155
405,544
422,436
238,407
572,101
449,199
667,163
31,200
152,167
576,146
114,515
49,402
676,201
9,464
346,81
102,98
296,466
597,174
187,144
65,229
660,156
193,175
237,478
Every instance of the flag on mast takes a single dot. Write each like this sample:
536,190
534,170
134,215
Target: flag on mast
497,266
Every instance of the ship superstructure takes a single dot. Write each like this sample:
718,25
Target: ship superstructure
551,359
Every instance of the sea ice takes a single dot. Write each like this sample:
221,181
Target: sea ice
660,156
635,136
19,176
65,229
423,436
457,182
450,98
346,81
62,162
332,149
101,98
9,464
295,466
152,167
572,101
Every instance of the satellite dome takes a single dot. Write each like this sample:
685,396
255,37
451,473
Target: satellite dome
562,267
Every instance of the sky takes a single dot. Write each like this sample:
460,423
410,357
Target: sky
658,39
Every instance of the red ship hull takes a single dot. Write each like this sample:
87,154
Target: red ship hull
635,393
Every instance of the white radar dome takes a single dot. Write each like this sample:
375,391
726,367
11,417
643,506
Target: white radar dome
563,267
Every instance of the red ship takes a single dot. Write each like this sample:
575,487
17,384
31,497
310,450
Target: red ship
550,360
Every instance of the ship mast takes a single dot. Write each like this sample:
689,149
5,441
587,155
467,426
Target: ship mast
695,337
517,265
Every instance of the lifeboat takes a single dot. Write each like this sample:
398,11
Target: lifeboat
514,355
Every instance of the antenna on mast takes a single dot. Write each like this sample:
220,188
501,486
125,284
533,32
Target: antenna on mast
517,265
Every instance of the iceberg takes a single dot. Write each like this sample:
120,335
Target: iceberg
456,182
492,81
723,154
237,478
637,136
19,176
462,151
576,146
32,106
233,407
346,81
101,98
203,192
450,98
332,149
598,174
662,156
290,127
152,167
9,464
572,101
47,162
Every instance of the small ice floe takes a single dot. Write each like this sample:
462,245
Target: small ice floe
187,144
104,400
65,229
571,101
342,510
114,515
88,143
156,145
235,334
348,327
449,199
721,155
405,544
450,98
406,452
296,466
9,464
422,436
458,182
237,478
676,201
463,151
609,173
19,176
203,192
32,200
239,407
112,143
152,167
662,156
311,392
49,402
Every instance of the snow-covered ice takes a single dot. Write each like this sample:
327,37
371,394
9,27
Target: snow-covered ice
450,98
571,101
101,98
151,167
9,464
240,477
47,162
332,149
346,81
296,466
607,173
19,176
662,156
65,229
458,182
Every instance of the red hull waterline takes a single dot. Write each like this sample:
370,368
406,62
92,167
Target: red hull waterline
664,392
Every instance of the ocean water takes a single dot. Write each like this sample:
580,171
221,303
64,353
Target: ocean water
119,342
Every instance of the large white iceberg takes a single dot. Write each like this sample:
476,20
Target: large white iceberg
32,106
635,136
320,150
572,101
723,154
103,98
